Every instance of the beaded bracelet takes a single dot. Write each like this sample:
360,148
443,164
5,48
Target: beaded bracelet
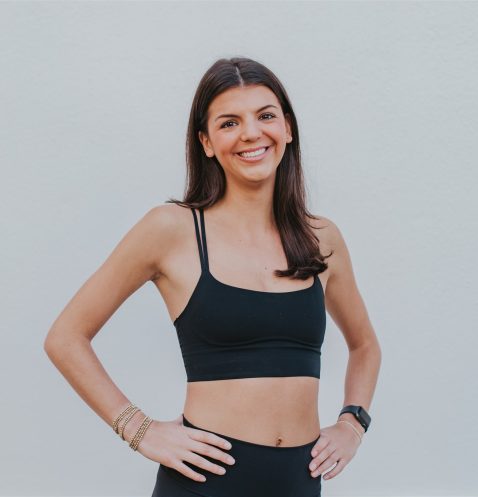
138,436
126,415
121,416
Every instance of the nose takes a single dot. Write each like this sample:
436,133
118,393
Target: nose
251,131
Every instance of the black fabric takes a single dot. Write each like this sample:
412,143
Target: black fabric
259,471
228,332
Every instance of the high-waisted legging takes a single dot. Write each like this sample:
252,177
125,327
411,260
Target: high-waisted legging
259,471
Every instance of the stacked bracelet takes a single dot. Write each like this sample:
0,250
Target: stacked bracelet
138,436
127,418
116,422
126,415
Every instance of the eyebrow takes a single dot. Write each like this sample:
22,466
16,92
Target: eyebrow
234,115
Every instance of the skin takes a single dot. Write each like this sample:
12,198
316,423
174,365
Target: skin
162,248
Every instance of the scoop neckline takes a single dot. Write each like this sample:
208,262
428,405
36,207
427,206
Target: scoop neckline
206,274
206,271
250,290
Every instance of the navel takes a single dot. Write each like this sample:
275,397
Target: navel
278,442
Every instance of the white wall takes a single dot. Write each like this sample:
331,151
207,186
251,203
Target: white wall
94,100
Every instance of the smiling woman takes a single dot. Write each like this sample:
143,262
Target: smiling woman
245,134
240,266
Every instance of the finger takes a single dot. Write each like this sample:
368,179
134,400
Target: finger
327,464
212,452
209,438
187,471
324,454
320,445
338,468
203,463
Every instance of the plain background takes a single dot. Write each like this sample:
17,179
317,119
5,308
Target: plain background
95,98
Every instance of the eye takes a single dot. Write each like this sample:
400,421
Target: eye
227,122
225,125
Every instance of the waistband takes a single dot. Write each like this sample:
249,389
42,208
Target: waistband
246,443
259,471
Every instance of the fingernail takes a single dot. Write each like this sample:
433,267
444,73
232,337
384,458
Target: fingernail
314,453
312,467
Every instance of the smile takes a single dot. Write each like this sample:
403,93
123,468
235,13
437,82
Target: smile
254,156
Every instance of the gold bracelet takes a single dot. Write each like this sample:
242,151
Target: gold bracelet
353,427
140,433
121,416
128,417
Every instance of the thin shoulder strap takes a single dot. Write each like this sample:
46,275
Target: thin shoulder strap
201,246
204,243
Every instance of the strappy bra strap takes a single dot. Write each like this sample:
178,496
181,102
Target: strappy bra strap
201,246
204,243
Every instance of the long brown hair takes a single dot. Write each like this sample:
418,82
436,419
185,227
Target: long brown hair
206,181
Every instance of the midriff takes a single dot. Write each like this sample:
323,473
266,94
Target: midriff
275,411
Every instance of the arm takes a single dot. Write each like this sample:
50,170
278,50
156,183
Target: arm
337,444
346,307
68,342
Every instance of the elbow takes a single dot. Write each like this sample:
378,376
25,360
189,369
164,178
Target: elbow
370,346
375,354
377,348
48,343
51,345
58,343
371,343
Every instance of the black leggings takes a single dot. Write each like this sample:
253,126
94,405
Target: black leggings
259,471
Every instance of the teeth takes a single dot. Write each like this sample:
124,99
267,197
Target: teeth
252,154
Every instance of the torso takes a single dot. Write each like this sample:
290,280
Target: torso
284,409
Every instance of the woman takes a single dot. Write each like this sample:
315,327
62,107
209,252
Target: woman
246,284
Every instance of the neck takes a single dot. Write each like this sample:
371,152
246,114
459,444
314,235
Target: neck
250,213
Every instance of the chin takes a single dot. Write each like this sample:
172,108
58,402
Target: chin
260,175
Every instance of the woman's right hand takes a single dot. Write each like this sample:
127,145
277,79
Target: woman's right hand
170,443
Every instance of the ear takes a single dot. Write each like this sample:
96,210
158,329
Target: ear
288,128
206,143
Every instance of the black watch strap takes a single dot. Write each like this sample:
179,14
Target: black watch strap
361,415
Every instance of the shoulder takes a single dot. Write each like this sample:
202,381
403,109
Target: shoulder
166,218
168,227
332,240
327,232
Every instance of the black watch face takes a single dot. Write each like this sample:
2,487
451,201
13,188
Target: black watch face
363,414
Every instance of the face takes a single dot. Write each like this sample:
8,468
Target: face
247,119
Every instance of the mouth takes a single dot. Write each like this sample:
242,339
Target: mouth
255,156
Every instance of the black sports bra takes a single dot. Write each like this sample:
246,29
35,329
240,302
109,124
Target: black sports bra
229,332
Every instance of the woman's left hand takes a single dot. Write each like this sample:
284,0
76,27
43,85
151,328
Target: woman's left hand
337,443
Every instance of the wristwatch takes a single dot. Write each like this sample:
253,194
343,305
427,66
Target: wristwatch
361,415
